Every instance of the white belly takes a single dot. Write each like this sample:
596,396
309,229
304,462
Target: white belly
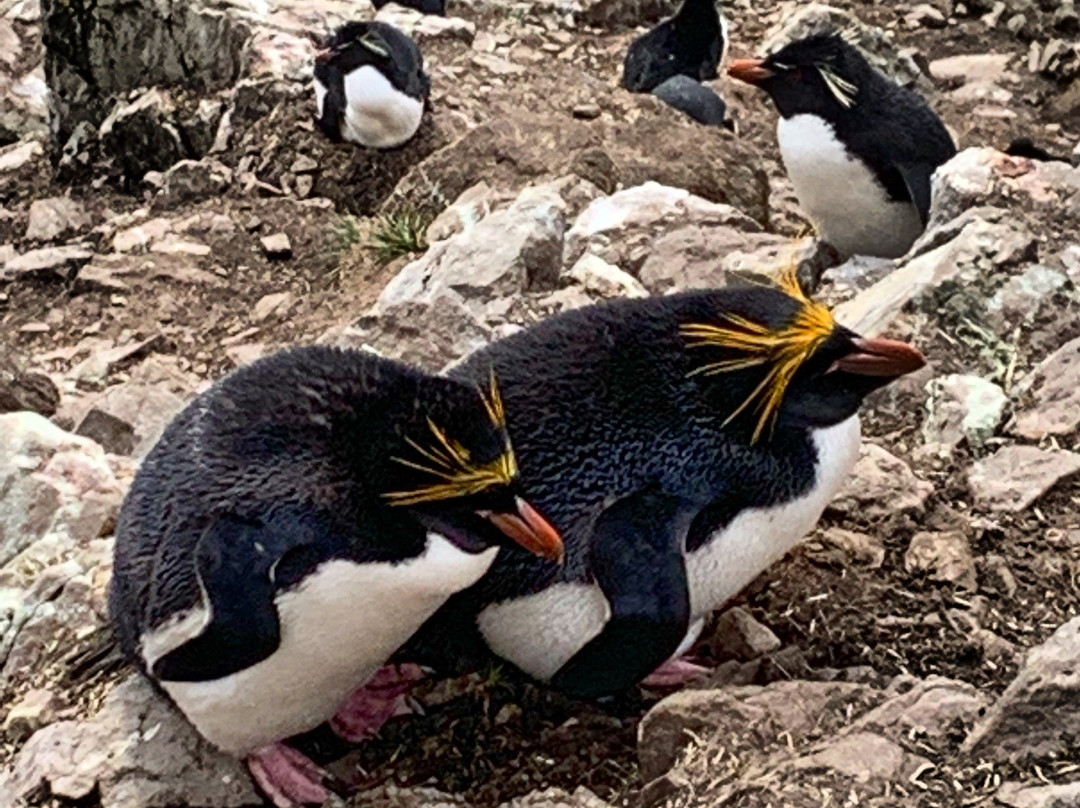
540,633
337,628
849,206
377,114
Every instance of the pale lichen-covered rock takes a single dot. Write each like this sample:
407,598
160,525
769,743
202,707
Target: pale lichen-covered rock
962,407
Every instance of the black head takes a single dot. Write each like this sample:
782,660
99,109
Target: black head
820,75
356,44
453,467
776,359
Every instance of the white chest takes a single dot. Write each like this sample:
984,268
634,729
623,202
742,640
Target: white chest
337,628
840,194
376,113
540,633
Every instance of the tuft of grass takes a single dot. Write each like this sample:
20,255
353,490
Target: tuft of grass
398,234
349,233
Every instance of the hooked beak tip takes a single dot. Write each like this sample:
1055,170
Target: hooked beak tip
751,71
323,55
531,530
882,357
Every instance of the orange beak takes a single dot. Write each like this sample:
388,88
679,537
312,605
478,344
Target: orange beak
881,357
531,530
752,71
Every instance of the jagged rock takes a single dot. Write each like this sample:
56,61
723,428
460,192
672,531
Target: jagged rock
24,170
20,390
1053,388
932,707
141,236
136,751
426,333
609,14
56,217
36,708
558,798
946,556
142,135
392,796
52,483
472,205
1025,795
1019,299
192,180
129,418
276,245
800,708
666,237
1015,476
508,252
972,67
1039,713
862,547
273,305
740,636
880,485
962,407
877,44
597,276
96,51
426,27
56,262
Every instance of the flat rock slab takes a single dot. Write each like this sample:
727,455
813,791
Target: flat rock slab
1015,476
1054,387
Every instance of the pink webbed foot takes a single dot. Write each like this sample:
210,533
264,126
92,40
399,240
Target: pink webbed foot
288,777
676,672
382,697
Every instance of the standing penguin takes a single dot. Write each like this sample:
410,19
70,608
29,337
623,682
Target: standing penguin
292,528
370,85
682,444
859,148
692,43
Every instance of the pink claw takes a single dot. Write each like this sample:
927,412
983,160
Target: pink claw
381,698
288,777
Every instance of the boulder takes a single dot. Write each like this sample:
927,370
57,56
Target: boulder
881,485
1015,476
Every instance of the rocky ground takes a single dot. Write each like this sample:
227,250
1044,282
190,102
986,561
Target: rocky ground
180,216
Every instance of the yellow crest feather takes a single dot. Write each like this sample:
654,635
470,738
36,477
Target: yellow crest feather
452,463
784,351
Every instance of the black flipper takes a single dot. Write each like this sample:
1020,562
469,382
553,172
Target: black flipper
334,103
916,177
636,552
241,564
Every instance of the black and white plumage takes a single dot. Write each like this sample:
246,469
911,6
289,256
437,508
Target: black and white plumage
292,528
695,99
635,429
859,148
370,85
691,43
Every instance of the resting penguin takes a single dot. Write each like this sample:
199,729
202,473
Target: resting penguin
370,85
294,525
692,43
859,148
695,99
681,444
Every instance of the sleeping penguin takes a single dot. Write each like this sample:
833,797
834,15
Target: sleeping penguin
681,444
859,148
295,524
370,85
691,43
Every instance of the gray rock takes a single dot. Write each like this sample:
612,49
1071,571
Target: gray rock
1015,476
962,407
129,418
880,485
597,276
862,547
142,135
1039,712
946,556
192,180
558,798
276,245
510,251
973,67
34,709
1020,299
931,707
1025,795
697,100
56,262
741,636
55,218
426,333
20,390
798,21
426,27
136,752
1053,388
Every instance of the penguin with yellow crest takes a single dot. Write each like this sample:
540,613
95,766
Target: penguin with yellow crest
681,445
